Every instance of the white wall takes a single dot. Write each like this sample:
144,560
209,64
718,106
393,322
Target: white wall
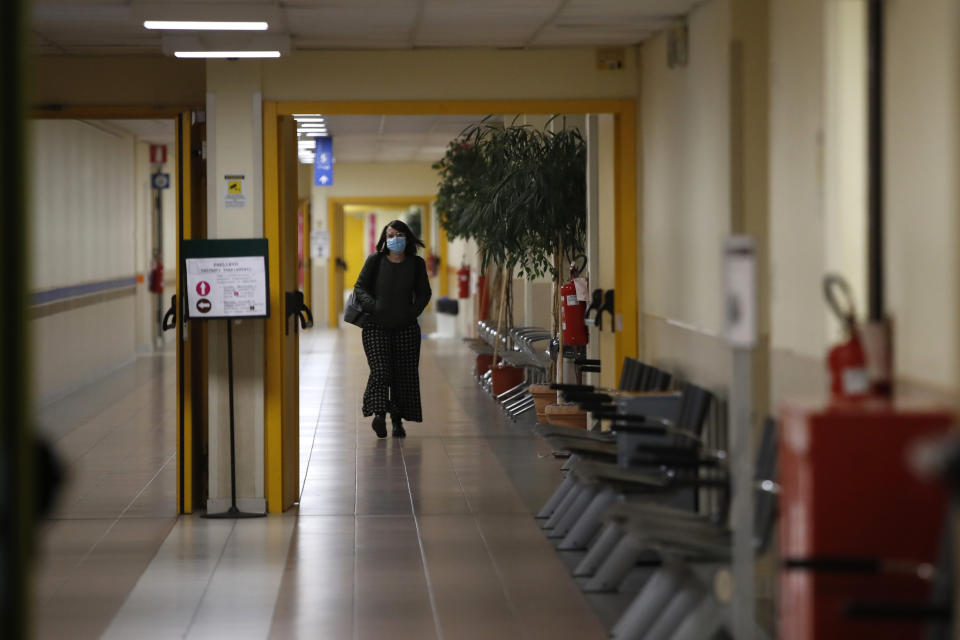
234,147
797,226
818,204
923,188
686,159
81,232
145,230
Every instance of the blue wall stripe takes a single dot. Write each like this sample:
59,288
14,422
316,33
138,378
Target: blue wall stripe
77,290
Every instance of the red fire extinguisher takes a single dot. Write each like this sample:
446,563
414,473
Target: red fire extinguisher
433,265
156,276
463,282
572,309
847,361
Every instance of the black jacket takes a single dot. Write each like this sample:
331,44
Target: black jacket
394,293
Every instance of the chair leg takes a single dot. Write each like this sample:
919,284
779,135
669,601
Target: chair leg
561,510
547,510
574,513
608,538
614,570
685,602
706,621
587,525
638,618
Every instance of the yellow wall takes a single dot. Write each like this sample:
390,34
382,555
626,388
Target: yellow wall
363,180
463,74
116,80
354,247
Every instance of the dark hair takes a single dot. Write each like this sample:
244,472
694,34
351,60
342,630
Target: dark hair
412,240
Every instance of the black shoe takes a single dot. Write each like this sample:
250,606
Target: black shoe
398,430
380,426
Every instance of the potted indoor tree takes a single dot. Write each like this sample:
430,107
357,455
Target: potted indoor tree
520,193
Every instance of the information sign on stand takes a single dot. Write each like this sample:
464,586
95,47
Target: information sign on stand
227,280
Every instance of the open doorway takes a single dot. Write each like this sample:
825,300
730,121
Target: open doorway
281,144
113,191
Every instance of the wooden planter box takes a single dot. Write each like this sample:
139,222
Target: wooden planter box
543,395
566,415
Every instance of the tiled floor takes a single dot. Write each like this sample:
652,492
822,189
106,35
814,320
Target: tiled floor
428,537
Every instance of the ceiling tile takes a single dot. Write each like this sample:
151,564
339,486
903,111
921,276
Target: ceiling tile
587,36
363,24
613,13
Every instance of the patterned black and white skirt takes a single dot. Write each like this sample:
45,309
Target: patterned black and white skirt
394,384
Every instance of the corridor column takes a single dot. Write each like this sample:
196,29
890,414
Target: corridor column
234,148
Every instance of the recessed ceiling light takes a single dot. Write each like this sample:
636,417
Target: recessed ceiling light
227,54
205,25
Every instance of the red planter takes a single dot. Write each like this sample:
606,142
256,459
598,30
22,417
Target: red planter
505,378
484,360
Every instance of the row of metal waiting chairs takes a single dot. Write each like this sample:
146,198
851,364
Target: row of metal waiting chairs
523,347
628,514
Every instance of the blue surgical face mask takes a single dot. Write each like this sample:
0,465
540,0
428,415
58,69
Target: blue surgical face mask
397,244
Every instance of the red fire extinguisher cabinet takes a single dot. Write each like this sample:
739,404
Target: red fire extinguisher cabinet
848,496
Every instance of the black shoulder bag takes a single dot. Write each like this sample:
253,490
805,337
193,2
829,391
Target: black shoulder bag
354,313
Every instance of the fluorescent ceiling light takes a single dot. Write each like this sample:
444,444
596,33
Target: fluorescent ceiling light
318,134
227,54
205,25
309,119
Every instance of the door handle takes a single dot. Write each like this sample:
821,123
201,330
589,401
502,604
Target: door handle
295,306
596,302
170,317
607,306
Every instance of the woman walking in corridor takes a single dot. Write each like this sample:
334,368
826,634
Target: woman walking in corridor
394,289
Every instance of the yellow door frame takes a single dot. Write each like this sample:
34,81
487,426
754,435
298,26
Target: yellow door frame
335,214
625,224
181,117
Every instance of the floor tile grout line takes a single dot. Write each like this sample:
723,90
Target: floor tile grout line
356,509
486,547
166,463
316,428
206,588
116,519
423,552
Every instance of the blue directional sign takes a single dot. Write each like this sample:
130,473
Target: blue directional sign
160,180
323,162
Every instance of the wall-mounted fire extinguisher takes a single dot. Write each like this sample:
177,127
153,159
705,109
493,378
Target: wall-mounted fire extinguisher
847,361
433,265
156,276
573,307
463,282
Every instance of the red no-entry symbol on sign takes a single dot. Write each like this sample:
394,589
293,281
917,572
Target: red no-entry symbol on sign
203,288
